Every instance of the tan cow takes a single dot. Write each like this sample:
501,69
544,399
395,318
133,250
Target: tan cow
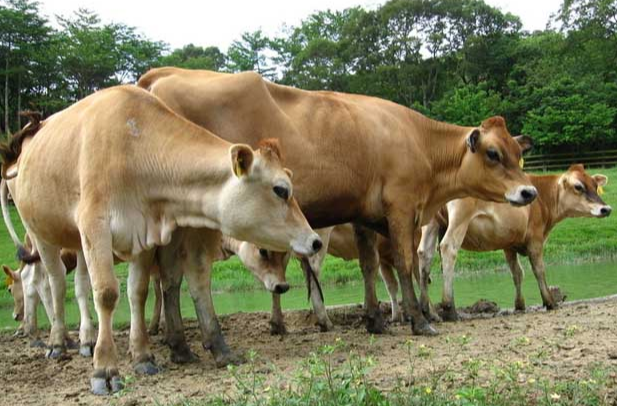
476,225
356,159
119,173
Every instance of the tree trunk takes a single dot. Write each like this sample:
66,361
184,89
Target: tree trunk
18,101
6,96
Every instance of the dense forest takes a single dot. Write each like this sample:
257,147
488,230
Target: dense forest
455,60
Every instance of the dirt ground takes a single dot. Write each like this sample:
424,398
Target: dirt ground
562,343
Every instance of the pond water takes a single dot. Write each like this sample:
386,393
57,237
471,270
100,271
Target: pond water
580,281
576,281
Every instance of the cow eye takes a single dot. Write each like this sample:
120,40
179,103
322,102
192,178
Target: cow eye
492,155
263,253
579,188
281,192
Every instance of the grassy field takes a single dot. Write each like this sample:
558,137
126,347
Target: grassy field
573,241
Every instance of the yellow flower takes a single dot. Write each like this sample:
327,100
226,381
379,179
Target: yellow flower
555,396
428,390
531,381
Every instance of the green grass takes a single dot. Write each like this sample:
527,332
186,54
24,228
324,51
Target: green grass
573,241
337,374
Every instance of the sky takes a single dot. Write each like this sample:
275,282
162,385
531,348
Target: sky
206,22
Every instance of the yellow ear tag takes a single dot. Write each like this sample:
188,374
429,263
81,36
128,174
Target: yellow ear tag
521,163
238,167
600,190
8,281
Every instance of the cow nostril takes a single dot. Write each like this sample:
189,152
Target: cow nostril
317,244
528,194
606,210
281,288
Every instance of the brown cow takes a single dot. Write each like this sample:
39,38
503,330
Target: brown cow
119,173
477,225
357,159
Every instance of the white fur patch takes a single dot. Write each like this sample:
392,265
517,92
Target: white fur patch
132,125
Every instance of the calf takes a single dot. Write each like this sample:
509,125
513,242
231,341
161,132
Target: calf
476,225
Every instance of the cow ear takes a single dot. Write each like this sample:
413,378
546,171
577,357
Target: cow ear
601,180
473,139
289,173
525,142
11,276
241,159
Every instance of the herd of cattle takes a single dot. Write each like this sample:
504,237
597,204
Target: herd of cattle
164,176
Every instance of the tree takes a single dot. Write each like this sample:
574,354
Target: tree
195,57
249,53
24,37
96,55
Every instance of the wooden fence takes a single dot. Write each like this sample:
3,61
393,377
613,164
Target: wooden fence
551,162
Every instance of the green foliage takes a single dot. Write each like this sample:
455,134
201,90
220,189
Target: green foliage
456,60
194,57
468,105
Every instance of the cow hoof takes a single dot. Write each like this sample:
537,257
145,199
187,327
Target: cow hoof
98,386
70,343
551,306
375,323
86,350
19,333
449,313
146,368
277,329
326,326
183,356
226,359
101,384
423,329
37,343
56,352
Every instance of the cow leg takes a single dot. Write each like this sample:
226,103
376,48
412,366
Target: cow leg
170,268
96,243
402,235
369,262
277,322
387,274
426,251
517,276
87,334
31,303
153,328
56,272
139,347
537,265
451,243
319,307
198,275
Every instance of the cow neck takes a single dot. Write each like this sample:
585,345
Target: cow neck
445,148
230,244
190,169
548,200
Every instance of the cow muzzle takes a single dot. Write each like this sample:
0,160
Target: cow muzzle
601,211
522,195
310,246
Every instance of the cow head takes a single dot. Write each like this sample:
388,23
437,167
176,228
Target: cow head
14,285
492,165
267,266
579,194
257,204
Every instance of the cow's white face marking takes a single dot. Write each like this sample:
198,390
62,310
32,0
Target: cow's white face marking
133,129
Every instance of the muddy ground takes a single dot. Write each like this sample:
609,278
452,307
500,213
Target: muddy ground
562,343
